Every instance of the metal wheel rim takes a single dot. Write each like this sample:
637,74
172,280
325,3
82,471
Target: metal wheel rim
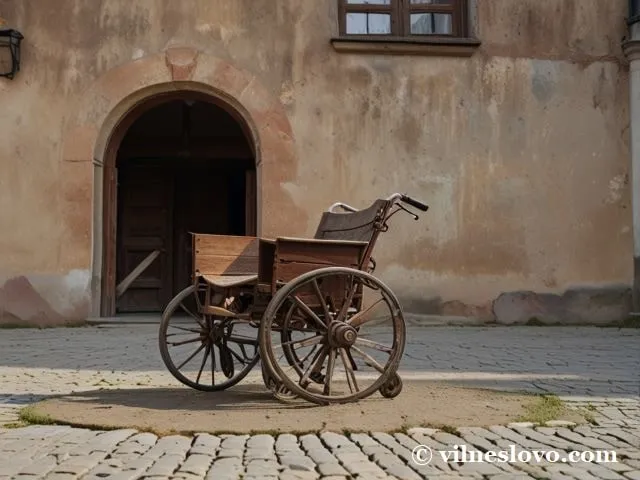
171,308
267,351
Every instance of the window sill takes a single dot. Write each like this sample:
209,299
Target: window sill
453,47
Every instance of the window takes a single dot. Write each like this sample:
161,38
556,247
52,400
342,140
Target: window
404,21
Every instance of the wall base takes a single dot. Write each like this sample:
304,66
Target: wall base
45,300
578,306
64,300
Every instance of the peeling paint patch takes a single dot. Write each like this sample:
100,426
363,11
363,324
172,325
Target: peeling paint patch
137,53
45,300
543,81
616,188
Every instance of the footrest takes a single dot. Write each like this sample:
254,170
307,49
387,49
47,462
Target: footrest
218,311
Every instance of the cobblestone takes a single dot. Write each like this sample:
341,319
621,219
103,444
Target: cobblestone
593,369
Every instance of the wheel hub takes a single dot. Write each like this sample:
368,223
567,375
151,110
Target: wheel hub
342,335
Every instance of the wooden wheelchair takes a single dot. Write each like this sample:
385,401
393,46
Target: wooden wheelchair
325,328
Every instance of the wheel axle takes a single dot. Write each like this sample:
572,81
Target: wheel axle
341,335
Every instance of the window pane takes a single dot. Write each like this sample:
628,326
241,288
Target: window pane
369,2
431,2
431,24
368,24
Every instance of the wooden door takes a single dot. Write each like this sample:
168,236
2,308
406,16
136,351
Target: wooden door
200,207
145,224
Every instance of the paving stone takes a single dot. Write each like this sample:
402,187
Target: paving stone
295,461
582,440
298,475
336,441
164,466
287,443
600,472
517,439
364,468
40,466
511,476
78,465
262,467
571,471
447,439
480,468
559,423
225,468
624,435
196,465
329,469
401,471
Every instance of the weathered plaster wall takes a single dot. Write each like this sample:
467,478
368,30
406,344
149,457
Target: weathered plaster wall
521,150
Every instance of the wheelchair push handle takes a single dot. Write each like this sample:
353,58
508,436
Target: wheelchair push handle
414,203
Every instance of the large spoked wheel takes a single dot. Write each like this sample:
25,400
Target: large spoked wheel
205,352
333,335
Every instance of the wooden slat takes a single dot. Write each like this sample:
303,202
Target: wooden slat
321,241
135,273
350,226
225,265
225,245
326,253
285,272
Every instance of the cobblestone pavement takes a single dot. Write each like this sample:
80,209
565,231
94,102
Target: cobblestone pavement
592,368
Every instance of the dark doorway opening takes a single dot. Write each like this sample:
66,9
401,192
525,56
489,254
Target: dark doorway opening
183,166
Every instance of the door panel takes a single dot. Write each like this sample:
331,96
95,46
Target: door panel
200,207
145,224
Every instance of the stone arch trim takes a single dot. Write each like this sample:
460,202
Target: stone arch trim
101,109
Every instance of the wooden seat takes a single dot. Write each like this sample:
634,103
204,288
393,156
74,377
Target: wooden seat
227,281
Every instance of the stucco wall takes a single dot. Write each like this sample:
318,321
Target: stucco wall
521,150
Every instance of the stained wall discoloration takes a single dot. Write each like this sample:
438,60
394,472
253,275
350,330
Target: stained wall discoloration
45,300
521,150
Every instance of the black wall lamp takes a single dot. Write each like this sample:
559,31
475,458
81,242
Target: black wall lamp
9,51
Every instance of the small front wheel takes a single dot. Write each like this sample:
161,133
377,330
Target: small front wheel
392,387
333,335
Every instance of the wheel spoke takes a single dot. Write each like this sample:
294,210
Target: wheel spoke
242,340
360,318
184,342
204,361
330,365
305,308
323,303
184,329
347,302
317,361
191,357
244,361
244,353
363,342
351,376
306,342
372,362
191,314
212,352
306,357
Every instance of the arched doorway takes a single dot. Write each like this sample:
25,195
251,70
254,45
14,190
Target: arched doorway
182,162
